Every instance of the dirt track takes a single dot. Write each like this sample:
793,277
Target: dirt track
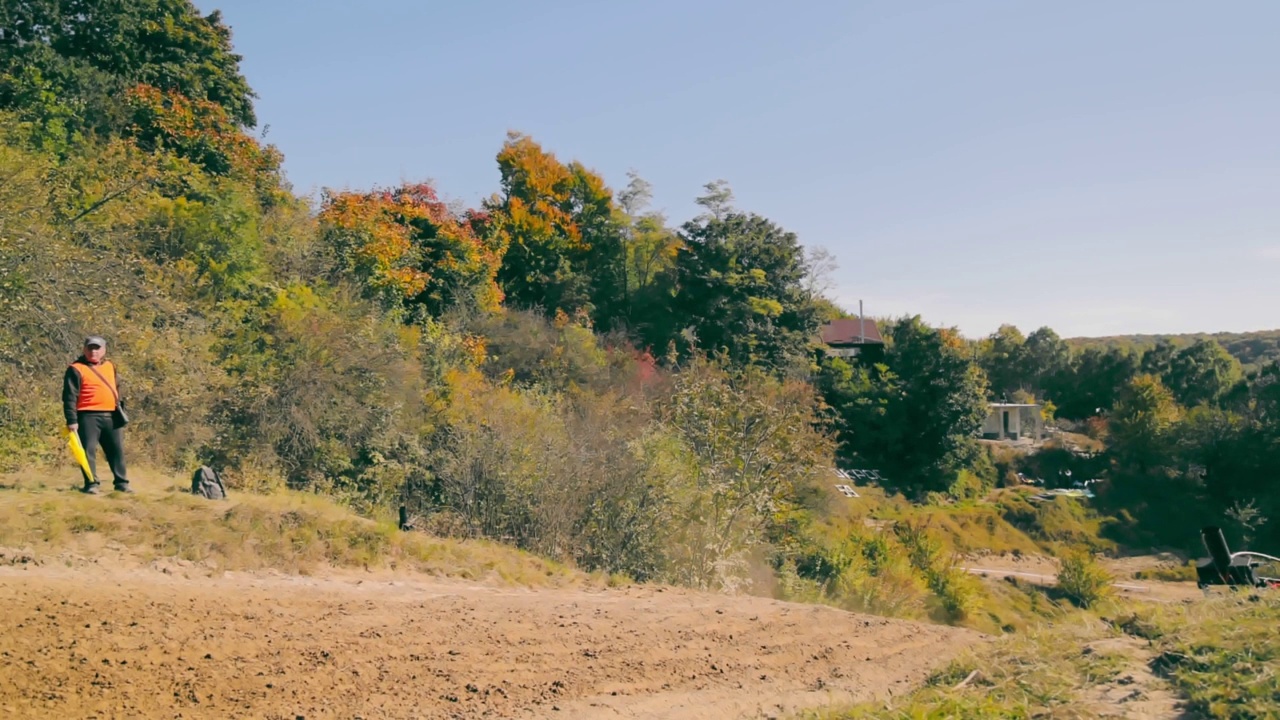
117,642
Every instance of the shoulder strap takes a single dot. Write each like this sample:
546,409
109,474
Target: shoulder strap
110,385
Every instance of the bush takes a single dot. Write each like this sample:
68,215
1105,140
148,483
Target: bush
968,486
956,591
1083,580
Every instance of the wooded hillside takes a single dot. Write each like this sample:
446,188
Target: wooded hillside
561,368
1252,349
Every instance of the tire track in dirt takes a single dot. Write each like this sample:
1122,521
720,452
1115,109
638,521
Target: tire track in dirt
126,642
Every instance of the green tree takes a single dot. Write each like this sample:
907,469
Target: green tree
1158,360
1143,421
754,446
1046,356
740,288
941,405
1202,373
859,398
1091,384
718,201
649,252
1264,395
914,417
68,63
1003,356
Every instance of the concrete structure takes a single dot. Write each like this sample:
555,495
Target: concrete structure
1005,421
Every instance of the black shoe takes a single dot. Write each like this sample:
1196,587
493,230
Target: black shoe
124,489
92,489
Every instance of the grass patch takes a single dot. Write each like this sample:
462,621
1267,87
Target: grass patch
965,528
1060,525
1176,573
287,531
1014,605
1223,654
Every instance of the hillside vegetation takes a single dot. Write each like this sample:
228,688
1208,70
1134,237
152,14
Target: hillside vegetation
562,386
561,368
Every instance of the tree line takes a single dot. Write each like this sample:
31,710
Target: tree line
560,367
1192,436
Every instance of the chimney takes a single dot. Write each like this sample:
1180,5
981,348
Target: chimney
862,324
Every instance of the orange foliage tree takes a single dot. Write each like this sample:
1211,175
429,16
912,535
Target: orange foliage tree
559,221
409,249
200,131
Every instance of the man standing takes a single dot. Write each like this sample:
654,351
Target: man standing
90,396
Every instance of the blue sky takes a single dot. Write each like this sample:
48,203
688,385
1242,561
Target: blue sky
1098,167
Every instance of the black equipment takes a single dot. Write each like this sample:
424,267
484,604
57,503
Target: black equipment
1223,567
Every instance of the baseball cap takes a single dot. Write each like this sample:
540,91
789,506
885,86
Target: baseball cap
95,340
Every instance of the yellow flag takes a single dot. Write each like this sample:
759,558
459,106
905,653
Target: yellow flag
77,452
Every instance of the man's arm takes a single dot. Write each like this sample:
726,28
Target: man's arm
70,395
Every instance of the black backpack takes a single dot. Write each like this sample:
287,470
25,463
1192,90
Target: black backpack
206,483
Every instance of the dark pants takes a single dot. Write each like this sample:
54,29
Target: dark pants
100,427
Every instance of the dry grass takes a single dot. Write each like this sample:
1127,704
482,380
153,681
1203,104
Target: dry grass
287,531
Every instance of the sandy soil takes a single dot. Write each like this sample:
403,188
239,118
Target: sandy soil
175,641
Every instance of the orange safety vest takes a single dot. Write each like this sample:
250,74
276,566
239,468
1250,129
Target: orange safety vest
96,395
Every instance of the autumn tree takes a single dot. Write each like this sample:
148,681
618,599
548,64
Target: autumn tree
410,250
565,249
203,133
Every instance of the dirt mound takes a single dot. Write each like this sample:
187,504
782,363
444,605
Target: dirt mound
181,641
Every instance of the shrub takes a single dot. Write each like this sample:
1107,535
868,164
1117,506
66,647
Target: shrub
1083,580
968,486
957,592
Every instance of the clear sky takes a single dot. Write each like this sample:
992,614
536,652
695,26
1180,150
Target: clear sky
1099,167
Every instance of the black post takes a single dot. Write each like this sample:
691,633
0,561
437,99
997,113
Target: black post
404,518
1216,543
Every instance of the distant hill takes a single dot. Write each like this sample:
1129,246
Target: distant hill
1252,349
